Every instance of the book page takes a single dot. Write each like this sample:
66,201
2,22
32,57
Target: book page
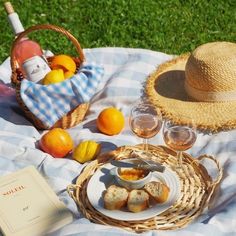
27,201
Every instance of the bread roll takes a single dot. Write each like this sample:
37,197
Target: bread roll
115,197
138,200
157,190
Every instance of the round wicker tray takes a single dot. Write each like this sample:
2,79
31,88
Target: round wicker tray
197,188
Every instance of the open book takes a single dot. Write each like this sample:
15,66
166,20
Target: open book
29,206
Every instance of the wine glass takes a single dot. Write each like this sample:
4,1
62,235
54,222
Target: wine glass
145,121
179,137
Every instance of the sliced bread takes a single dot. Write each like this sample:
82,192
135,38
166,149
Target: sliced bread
115,197
157,190
138,200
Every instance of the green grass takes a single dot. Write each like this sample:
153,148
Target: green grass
170,26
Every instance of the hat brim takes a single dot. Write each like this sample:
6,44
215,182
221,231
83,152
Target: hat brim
165,89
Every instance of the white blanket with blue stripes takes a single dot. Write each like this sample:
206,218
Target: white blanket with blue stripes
125,71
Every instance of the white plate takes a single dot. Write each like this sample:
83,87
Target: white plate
101,180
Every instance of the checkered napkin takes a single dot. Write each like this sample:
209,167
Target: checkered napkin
51,102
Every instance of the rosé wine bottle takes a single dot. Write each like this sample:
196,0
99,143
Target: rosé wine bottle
27,53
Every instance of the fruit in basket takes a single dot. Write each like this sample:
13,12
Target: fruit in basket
64,62
86,151
110,121
68,74
56,142
53,76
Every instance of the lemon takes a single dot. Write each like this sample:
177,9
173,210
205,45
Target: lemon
54,76
86,151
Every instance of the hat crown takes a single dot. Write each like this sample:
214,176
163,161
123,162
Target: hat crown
211,68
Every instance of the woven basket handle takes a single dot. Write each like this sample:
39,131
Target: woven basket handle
213,184
219,169
44,27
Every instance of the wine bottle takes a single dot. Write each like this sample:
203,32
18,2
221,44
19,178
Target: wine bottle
27,53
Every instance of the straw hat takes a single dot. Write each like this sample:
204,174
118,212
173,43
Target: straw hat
200,85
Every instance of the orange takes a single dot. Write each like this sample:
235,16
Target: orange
110,121
68,74
56,142
64,62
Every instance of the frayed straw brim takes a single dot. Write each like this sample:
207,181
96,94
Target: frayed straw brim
165,89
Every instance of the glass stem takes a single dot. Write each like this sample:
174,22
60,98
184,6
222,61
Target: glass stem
145,144
180,158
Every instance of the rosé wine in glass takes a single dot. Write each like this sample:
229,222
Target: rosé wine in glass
179,137
145,121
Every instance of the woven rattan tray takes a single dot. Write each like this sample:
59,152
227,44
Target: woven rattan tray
197,188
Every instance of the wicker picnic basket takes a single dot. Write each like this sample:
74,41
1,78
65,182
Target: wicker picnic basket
198,189
74,116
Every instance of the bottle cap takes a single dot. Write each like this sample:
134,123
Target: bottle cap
13,18
9,8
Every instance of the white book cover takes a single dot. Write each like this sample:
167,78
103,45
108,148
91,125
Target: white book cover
29,206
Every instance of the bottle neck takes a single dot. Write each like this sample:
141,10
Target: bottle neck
15,23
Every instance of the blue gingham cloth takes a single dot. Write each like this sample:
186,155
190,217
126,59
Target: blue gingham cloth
125,73
51,102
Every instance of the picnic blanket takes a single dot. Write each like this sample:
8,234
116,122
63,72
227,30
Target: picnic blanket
125,72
